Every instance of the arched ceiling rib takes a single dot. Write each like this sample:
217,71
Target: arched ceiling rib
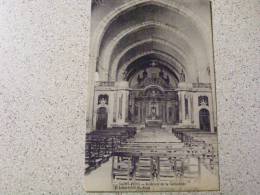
150,28
144,46
153,30
171,62
101,27
148,44
141,32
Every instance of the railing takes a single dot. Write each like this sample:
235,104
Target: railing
105,83
201,85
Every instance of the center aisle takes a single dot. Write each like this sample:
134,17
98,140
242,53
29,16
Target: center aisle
154,135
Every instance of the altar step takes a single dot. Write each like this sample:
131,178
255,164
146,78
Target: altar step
155,134
153,123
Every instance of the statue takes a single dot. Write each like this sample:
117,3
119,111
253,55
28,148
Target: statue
129,114
153,113
124,74
153,63
144,74
182,76
139,79
161,73
103,101
153,93
167,80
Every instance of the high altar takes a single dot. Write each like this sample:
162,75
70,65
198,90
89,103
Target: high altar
153,97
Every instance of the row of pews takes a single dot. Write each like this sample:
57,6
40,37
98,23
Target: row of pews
100,145
150,161
206,144
165,161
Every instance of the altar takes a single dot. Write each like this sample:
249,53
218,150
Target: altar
153,106
153,123
153,119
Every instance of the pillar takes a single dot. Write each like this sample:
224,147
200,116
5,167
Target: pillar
122,103
191,109
180,107
183,106
185,92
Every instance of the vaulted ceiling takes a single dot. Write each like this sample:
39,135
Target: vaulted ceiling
137,32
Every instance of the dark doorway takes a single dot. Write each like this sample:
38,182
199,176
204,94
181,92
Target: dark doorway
204,120
101,118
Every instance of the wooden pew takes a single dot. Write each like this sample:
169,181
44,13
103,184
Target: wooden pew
143,171
167,160
166,168
122,168
203,144
100,144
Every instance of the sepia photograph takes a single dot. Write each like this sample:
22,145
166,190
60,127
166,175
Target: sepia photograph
151,115
125,97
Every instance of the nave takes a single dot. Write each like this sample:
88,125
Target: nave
158,159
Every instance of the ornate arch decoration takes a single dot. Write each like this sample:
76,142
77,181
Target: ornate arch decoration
164,65
154,86
176,69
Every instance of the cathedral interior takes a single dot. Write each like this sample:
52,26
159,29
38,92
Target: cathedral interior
151,77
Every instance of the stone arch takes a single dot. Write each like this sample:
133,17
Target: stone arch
153,86
165,27
116,66
163,65
104,24
171,58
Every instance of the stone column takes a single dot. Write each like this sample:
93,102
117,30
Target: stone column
191,108
165,112
125,105
122,102
183,106
91,92
180,107
115,108
111,109
141,111
184,91
174,117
